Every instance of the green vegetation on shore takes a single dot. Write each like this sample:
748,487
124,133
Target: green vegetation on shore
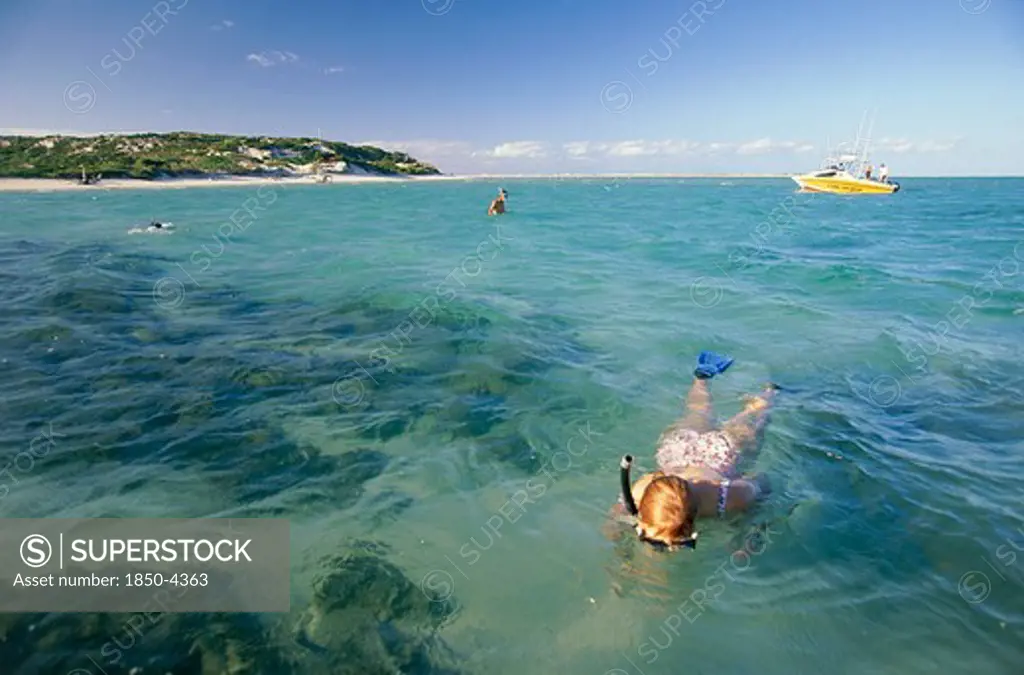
150,156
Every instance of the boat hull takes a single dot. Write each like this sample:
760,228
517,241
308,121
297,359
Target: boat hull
844,185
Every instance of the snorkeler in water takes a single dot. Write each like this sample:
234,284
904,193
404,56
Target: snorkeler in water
153,227
498,205
697,475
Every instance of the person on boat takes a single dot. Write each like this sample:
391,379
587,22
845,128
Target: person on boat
883,173
498,205
697,475
867,173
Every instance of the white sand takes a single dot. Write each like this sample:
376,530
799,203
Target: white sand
58,185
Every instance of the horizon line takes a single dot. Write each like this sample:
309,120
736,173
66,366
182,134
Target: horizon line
643,174
43,133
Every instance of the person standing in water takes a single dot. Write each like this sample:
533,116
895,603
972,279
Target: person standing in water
697,474
498,205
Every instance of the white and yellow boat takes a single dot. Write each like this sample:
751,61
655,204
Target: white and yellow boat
846,173
838,179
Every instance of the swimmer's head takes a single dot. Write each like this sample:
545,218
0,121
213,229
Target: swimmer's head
666,509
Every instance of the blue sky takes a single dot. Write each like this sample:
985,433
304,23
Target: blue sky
534,86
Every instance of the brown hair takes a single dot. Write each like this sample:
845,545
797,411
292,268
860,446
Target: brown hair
666,509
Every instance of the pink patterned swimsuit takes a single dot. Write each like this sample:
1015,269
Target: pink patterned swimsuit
679,449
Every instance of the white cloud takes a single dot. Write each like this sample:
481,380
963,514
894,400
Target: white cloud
758,147
678,148
763,146
577,148
260,59
223,25
629,149
272,58
635,148
519,149
937,146
334,69
650,148
896,145
425,148
901,146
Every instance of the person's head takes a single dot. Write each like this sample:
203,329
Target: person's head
666,508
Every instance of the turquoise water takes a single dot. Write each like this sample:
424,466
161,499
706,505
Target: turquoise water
438,400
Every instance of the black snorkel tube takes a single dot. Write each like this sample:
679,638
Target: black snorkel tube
630,504
627,492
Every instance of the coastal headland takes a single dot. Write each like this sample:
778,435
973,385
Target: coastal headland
190,160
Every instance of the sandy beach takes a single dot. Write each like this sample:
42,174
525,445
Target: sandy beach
58,185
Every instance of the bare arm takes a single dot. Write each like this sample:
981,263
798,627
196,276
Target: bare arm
744,493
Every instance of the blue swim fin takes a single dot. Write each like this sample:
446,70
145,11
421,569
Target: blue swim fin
710,364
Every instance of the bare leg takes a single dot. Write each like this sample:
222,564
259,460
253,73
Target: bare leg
698,415
745,429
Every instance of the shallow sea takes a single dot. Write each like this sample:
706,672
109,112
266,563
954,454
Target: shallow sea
438,400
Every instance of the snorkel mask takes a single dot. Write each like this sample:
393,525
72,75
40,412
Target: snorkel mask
627,499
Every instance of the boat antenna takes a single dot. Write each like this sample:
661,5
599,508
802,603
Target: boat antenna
867,141
856,141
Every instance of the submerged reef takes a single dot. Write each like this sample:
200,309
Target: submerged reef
230,404
365,618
